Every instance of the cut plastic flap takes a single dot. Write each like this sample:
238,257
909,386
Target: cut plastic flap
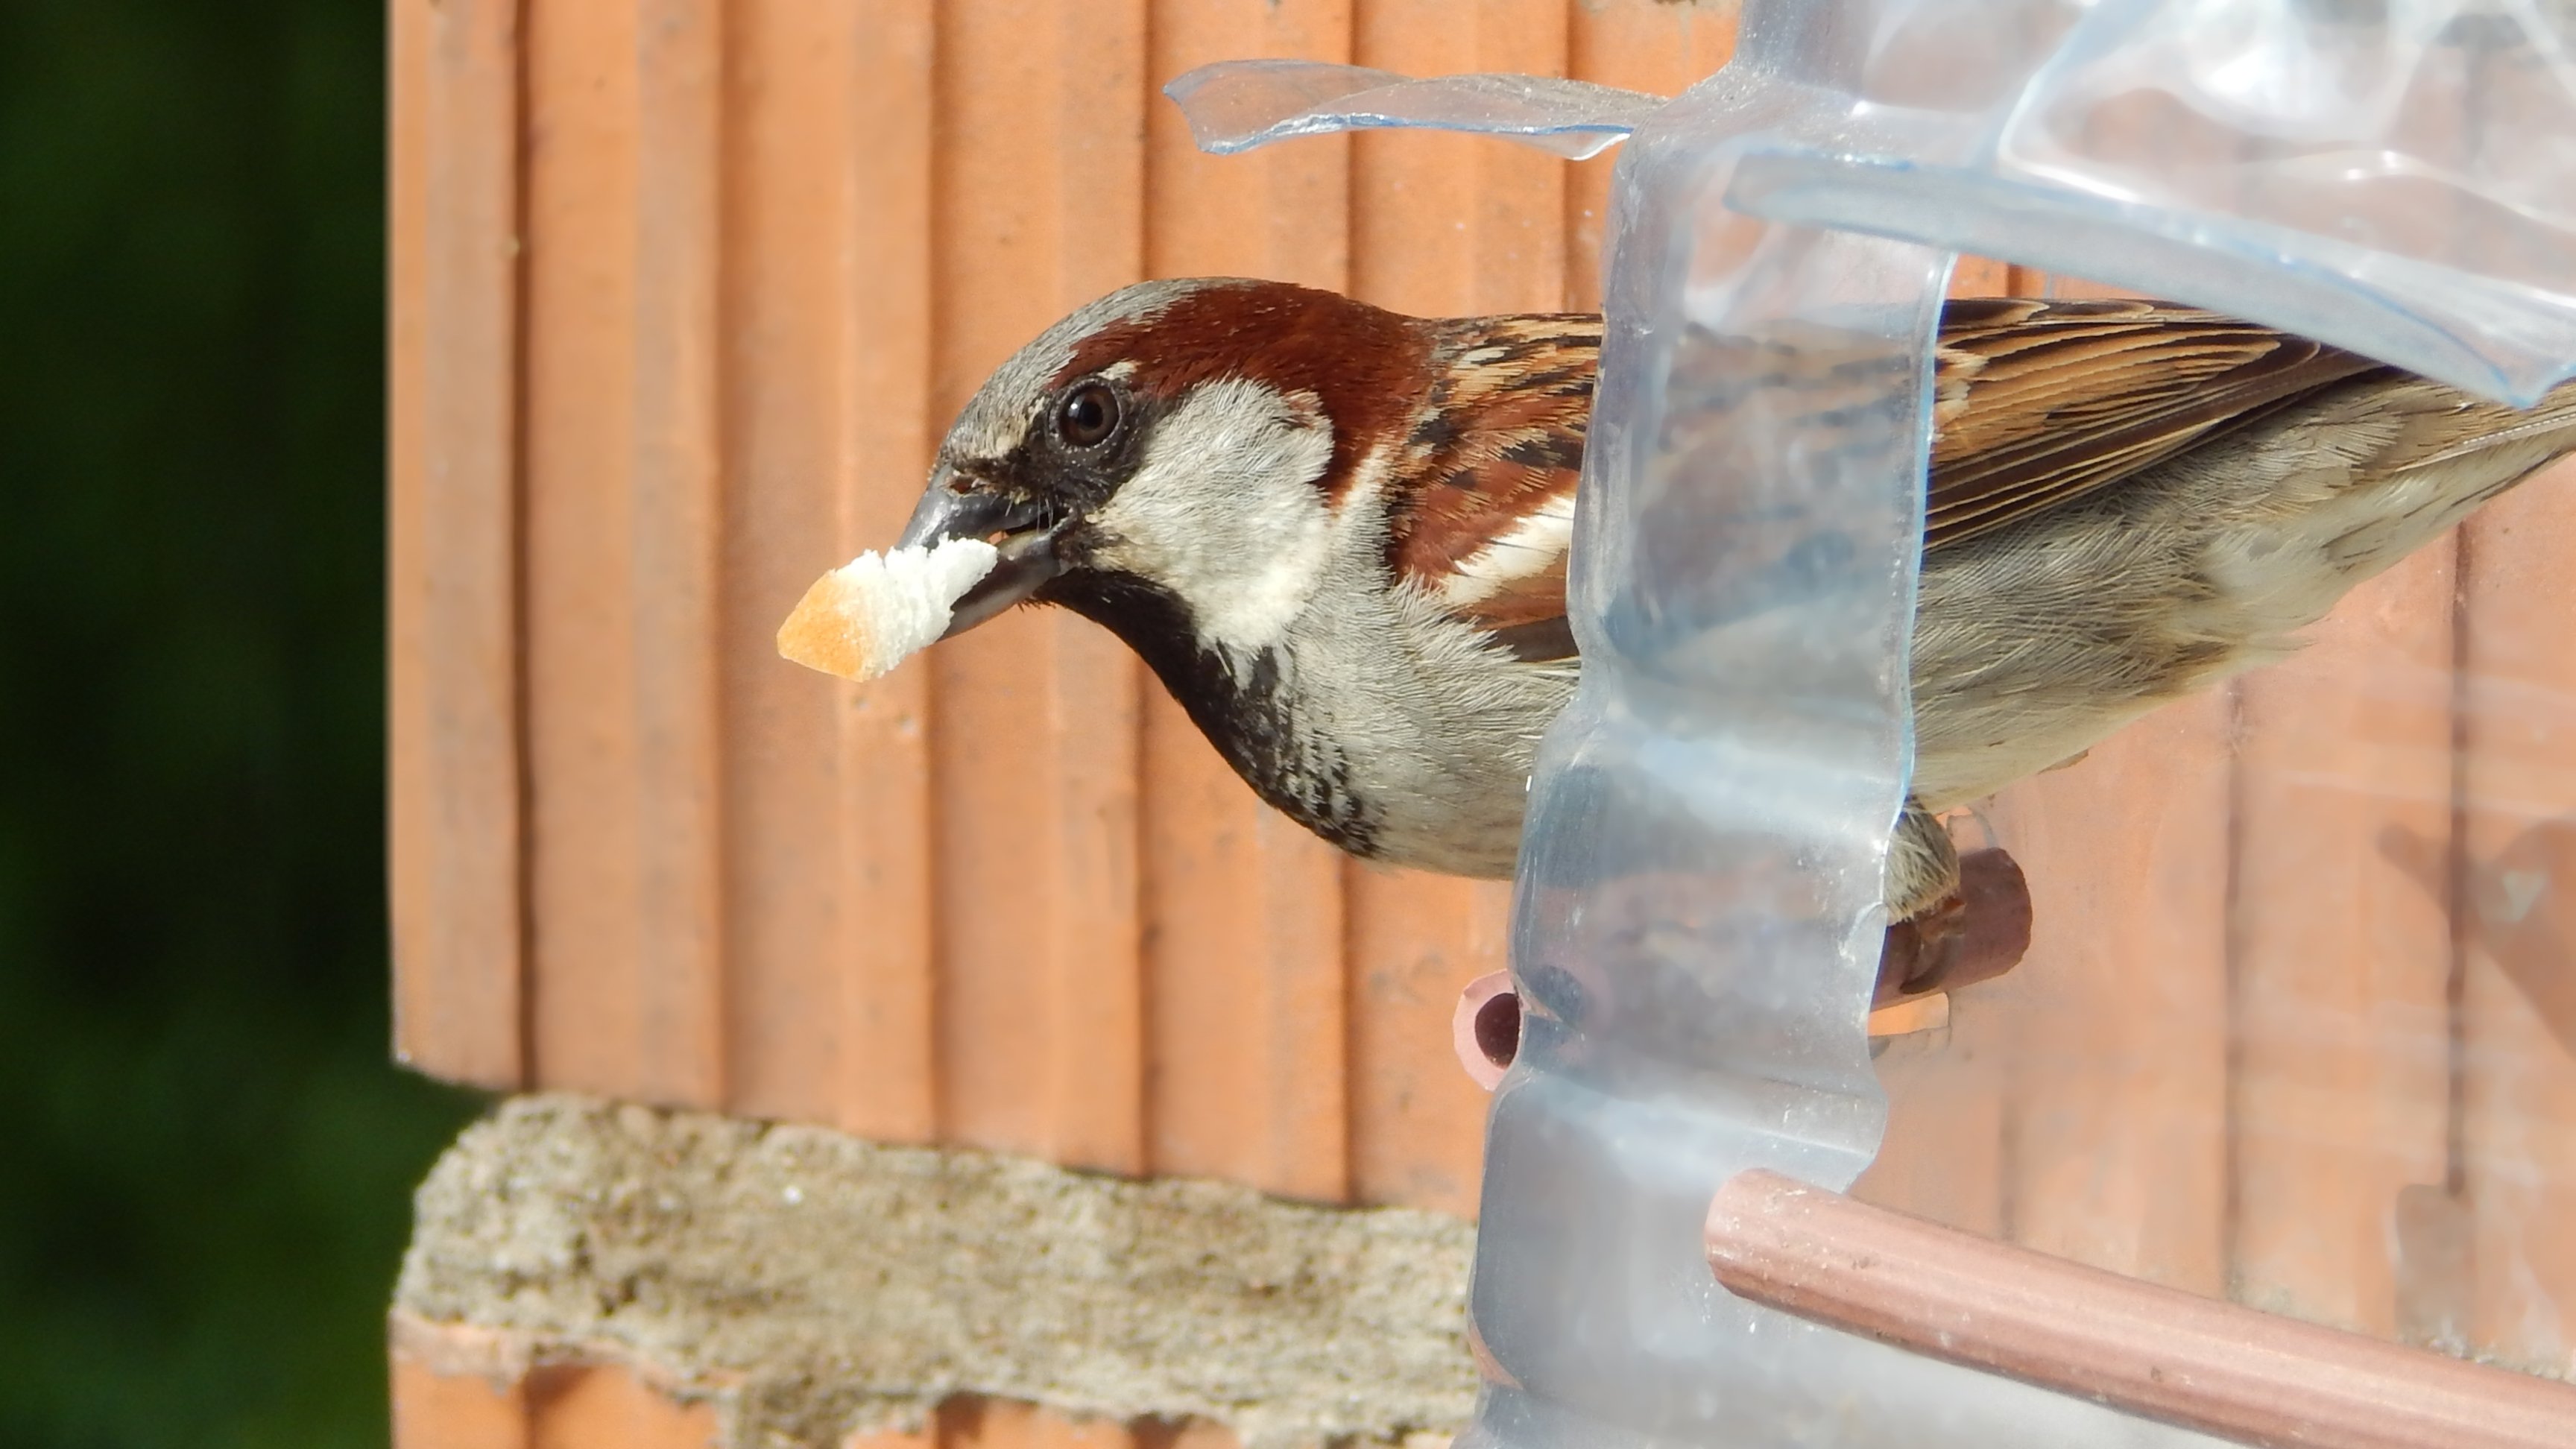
2396,179
1235,105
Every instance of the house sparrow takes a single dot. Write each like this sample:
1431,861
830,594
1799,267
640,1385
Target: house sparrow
1339,535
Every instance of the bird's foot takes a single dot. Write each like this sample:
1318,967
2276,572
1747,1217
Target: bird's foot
1977,932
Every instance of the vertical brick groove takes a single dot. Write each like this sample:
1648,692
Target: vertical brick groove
454,768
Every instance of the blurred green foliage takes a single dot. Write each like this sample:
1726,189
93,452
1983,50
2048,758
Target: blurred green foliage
205,1161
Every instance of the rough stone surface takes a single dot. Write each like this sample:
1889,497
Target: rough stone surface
812,1285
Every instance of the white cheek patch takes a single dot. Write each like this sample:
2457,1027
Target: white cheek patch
1532,547
1225,510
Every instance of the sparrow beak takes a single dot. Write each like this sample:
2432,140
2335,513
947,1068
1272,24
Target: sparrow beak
1025,533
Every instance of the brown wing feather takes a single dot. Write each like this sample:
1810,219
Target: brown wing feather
2036,404
1490,466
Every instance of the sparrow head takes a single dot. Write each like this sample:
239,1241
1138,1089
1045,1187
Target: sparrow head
1177,447
1337,535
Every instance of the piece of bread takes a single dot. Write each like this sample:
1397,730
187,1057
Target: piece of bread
869,615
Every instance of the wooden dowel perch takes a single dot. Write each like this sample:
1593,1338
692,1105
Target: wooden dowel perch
2153,1351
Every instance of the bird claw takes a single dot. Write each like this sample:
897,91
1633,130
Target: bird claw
1978,932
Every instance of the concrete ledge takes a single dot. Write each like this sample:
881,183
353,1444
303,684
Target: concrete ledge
810,1286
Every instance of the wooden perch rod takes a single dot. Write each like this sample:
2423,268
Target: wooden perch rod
2246,1375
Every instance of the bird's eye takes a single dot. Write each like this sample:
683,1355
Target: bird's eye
1088,415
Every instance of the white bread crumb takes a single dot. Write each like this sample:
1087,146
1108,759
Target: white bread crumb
872,613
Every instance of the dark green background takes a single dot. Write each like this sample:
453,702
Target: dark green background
205,1161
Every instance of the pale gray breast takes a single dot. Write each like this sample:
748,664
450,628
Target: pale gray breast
1437,725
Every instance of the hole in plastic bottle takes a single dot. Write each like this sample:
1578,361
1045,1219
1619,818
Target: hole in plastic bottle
1498,1028
1486,1029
